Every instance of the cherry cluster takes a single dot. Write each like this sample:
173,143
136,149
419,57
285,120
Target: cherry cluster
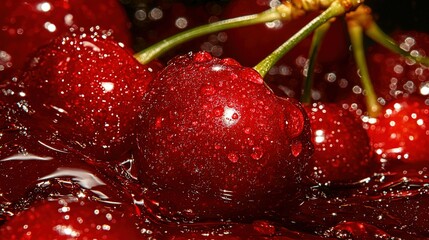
115,124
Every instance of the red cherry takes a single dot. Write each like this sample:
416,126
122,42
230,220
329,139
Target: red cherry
214,142
401,132
88,88
28,25
342,150
71,218
394,75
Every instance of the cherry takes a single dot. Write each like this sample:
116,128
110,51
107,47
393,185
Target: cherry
401,132
28,25
395,75
71,218
342,150
88,87
215,143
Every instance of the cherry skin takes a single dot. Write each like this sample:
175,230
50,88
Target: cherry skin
88,87
28,25
396,76
216,143
71,218
342,150
401,132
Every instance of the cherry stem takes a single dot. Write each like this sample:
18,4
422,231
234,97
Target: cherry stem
337,8
373,31
318,36
356,38
284,12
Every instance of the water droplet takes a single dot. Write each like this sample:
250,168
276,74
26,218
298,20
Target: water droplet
257,153
230,62
207,90
158,122
247,130
296,148
251,75
218,111
233,157
202,57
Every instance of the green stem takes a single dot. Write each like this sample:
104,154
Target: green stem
356,38
375,33
282,12
334,10
318,36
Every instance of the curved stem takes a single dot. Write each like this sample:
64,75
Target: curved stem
282,12
318,36
356,38
335,9
373,31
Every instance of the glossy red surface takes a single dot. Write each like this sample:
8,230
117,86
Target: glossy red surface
27,25
401,132
219,155
397,76
71,218
87,88
335,133
216,143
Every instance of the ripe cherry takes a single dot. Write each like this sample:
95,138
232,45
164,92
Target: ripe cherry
401,132
88,88
215,143
395,75
71,218
342,150
28,25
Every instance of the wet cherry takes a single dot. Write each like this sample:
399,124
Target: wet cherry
396,76
71,218
215,143
342,150
88,87
401,132
28,25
